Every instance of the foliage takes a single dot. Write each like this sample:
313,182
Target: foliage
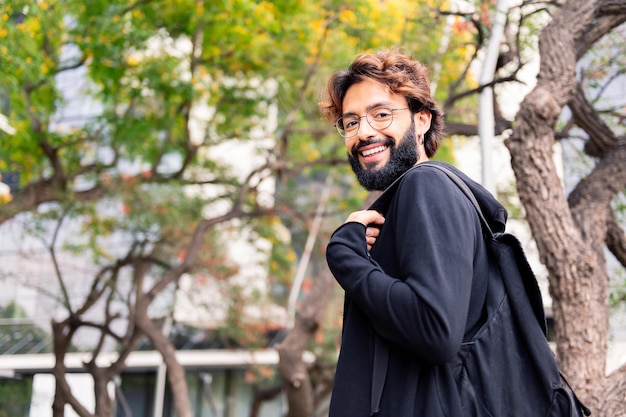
15,396
140,124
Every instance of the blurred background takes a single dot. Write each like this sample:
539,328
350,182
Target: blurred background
168,187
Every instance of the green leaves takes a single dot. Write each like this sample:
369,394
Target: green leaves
127,115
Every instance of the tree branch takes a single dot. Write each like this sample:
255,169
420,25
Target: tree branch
464,129
477,90
603,24
293,370
612,7
616,240
57,269
613,393
601,137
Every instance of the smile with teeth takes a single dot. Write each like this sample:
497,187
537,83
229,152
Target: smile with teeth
372,151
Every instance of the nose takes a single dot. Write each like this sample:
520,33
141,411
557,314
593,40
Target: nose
366,131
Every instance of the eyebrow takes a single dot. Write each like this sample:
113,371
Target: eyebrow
370,107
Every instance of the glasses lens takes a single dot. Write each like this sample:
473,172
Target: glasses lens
380,118
339,126
347,126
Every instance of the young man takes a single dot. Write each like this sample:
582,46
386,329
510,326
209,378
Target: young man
414,269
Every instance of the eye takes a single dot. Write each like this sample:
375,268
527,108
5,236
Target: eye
350,123
382,113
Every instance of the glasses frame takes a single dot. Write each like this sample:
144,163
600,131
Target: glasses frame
358,118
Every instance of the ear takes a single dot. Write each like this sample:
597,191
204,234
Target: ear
422,122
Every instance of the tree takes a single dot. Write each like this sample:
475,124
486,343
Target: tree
169,83
84,173
573,232
166,84
580,48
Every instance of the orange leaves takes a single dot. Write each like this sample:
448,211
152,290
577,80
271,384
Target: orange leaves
320,339
485,16
258,373
461,26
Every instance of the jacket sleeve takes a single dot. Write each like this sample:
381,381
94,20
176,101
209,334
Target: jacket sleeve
424,308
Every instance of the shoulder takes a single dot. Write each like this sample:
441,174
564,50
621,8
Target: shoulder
428,178
427,189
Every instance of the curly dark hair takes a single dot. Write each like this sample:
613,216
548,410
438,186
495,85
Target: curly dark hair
401,74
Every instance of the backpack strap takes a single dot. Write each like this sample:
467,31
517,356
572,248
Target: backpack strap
573,397
379,374
468,193
531,288
532,291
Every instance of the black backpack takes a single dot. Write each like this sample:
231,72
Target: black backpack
508,368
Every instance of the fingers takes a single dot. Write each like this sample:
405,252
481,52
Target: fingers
366,217
371,234
372,220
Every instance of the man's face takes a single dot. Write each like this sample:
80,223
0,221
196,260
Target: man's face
379,157
402,155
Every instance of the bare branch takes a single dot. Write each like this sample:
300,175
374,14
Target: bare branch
103,327
75,65
612,7
613,393
128,347
616,240
601,136
133,6
100,283
63,388
55,263
600,186
453,87
603,24
464,129
62,333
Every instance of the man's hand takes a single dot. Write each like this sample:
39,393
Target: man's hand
372,220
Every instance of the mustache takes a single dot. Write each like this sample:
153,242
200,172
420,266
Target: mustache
385,141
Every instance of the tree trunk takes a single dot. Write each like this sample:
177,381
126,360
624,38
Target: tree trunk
291,366
262,396
571,240
175,371
104,402
62,333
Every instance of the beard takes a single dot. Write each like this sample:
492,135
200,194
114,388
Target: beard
401,158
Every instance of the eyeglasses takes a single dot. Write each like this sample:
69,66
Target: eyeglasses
379,118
